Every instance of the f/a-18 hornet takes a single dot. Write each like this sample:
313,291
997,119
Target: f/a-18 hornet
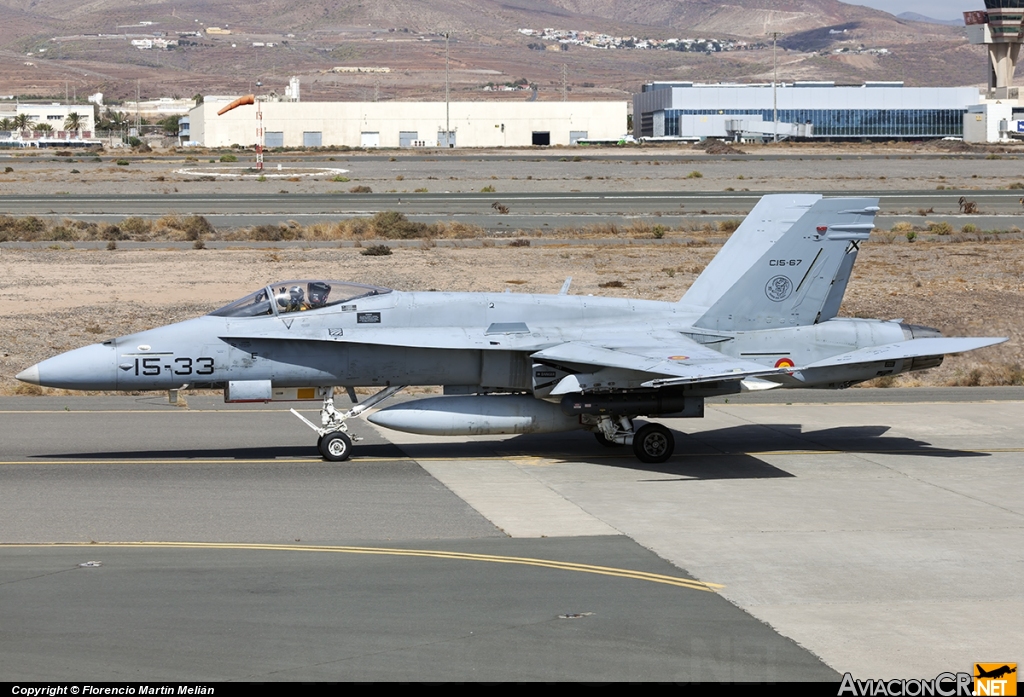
762,315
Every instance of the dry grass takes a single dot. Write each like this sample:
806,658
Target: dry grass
384,225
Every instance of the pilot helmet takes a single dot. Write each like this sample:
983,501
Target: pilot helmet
296,295
318,291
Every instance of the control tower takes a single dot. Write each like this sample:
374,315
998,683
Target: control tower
998,26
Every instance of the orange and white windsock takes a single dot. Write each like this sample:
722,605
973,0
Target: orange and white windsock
241,101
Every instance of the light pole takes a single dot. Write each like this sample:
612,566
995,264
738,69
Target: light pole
775,82
447,110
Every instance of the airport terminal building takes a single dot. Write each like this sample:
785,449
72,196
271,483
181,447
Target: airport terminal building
407,124
815,110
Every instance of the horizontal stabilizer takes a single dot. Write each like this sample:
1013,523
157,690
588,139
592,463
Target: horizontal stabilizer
914,348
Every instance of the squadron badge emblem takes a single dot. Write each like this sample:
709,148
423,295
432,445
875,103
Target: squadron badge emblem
778,288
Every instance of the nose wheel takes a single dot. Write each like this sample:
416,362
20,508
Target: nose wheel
335,446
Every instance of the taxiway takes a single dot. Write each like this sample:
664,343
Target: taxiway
875,532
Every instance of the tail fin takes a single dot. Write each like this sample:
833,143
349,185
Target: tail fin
791,277
769,219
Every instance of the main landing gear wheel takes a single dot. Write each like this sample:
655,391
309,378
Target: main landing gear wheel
653,443
605,442
335,447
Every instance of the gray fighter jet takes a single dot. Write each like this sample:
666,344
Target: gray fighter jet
762,315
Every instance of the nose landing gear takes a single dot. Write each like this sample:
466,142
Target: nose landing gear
335,443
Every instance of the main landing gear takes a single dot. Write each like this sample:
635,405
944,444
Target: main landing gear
335,443
652,443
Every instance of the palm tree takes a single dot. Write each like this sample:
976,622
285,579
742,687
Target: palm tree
73,122
111,120
21,121
7,125
43,128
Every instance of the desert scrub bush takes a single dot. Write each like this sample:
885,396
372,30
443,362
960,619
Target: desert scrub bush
969,229
228,157
272,233
884,381
8,170
324,231
196,226
340,178
1016,185
911,235
989,375
519,243
136,227
728,225
488,189
695,174
421,190
360,190
62,233
23,229
112,233
376,250
902,228
393,225
122,162
457,230
658,232
940,228
611,284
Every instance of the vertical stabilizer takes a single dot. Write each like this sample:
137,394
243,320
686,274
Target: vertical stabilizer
800,278
770,218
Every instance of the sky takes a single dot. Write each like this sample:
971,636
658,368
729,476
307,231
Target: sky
939,9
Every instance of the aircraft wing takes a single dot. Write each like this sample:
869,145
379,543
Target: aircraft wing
913,348
669,361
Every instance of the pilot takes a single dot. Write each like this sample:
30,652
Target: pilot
296,299
318,292
291,299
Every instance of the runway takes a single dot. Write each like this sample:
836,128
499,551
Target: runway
875,533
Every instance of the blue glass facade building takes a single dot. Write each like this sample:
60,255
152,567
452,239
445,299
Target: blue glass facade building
819,111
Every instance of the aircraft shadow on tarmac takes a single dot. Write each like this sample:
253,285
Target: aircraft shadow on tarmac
725,453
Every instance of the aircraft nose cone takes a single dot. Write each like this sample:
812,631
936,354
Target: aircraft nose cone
29,375
87,368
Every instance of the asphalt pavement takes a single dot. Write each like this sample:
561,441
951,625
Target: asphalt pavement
788,540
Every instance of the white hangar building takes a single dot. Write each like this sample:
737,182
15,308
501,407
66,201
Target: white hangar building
407,124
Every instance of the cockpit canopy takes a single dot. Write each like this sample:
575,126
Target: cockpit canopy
297,296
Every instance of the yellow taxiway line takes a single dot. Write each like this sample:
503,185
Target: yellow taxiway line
388,551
